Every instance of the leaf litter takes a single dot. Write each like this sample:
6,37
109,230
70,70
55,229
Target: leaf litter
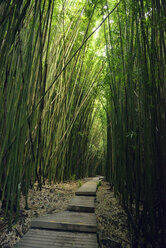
111,219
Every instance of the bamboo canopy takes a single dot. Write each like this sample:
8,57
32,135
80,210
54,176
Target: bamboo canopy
83,92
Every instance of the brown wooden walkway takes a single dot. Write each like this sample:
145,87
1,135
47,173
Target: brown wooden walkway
75,227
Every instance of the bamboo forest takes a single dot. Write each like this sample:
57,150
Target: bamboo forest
83,93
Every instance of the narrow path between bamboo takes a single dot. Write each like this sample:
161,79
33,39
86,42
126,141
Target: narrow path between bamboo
75,227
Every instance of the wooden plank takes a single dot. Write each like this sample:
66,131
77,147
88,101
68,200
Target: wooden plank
88,189
67,221
50,234
68,228
37,238
101,178
96,179
82,204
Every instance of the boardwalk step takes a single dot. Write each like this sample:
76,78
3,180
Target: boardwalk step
38,238
67,221
89,188
75,228
82,204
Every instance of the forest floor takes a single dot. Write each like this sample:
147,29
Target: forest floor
111,219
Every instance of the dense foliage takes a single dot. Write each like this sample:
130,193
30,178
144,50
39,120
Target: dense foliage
73,105
45,95
136,105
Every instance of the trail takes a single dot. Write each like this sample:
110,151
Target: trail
74,227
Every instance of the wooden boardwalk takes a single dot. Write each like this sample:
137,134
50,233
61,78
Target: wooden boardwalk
82,204
67,221
75,227
88,189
